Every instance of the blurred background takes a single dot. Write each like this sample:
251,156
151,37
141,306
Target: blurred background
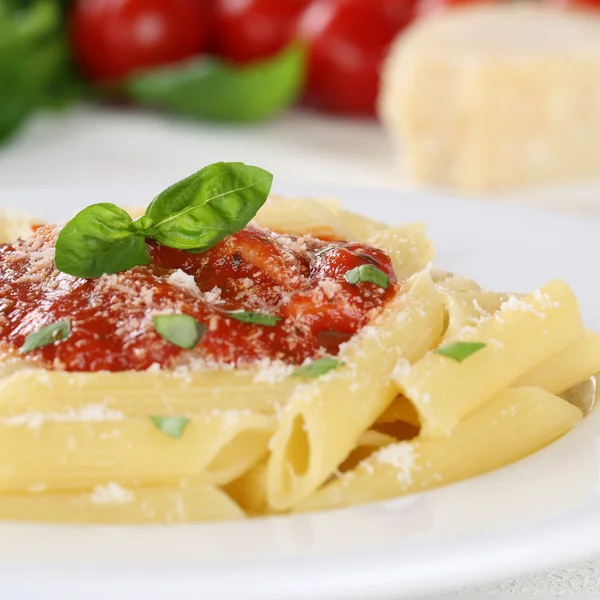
471,97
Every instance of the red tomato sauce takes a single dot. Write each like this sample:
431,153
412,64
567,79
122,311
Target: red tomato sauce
300,280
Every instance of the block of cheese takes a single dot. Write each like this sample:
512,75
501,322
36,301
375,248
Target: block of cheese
488,97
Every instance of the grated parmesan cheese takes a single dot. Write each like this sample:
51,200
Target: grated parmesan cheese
402,457
111,493
87,414
272,371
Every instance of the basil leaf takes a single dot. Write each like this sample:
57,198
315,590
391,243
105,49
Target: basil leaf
214,89
255,318
47,335
370,274
171,426
143,226
199,211
182,330
98,241
460,350
318,367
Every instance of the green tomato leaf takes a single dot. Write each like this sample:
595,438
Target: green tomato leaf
98,240
460,350
317,368
370,274
254,318
199,211
214,89
171,426
182,330
47,335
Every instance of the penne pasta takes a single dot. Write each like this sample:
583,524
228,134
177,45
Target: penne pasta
140,394
16,224
360,228
330,386
323,420
400,410
408,246
521,336
112,504
78,450
497,434
303,216
571,366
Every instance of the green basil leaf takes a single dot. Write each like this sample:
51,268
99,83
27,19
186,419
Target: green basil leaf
47,335
318,367
199,211
143,226
460,350
182,330
214,89
171,426
98,241
254,317
370,274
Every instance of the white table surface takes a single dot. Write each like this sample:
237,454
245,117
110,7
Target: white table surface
88,146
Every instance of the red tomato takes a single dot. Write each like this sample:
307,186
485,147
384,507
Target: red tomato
112,38
348,40
248,30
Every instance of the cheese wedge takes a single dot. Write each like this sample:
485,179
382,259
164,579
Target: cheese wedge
488,97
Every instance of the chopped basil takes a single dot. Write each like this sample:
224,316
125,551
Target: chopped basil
460,350
171,426
182,330
254,318
47,335
370,274
318,367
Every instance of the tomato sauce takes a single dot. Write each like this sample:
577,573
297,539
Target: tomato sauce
301,280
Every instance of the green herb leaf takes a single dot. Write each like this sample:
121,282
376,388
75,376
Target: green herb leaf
47,335
171,426
98,241
460,350
368,273
215,89
182,330
318,367
143,226
199,211
254,317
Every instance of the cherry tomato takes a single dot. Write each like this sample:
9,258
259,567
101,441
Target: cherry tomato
348,41
112,38
249,30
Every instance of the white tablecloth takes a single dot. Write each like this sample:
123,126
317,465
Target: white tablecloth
91,146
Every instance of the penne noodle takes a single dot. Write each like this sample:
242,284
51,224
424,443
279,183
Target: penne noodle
111,504
140,394
521,336
497,434
79,450
324,419
402,410
302,216
408,247
571,366
361,228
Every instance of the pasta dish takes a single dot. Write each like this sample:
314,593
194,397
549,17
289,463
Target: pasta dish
224,353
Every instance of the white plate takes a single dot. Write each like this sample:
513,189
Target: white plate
539,512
